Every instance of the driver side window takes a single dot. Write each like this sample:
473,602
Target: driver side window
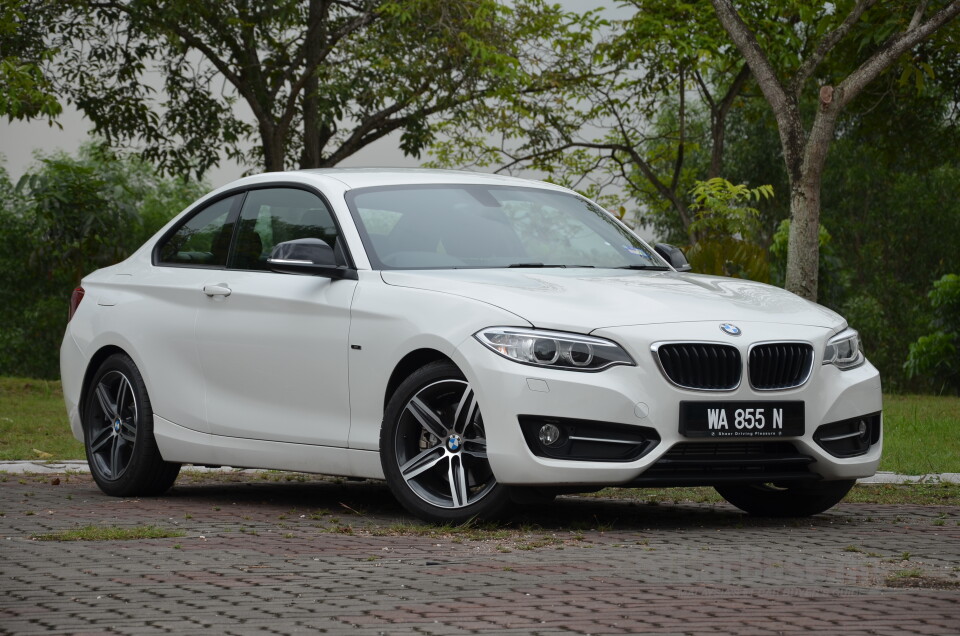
204,239
274,215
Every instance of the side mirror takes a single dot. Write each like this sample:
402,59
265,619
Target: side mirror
674,256
307,256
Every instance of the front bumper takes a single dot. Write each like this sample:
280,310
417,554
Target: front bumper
640,397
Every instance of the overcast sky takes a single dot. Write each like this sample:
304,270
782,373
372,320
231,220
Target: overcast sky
19,141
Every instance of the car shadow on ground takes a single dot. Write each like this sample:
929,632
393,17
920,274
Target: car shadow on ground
267,496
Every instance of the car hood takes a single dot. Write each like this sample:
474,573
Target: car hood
582,300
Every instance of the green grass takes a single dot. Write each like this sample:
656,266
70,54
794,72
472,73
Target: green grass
33,421
110,533
921,432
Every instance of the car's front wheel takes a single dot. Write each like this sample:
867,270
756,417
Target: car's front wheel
795,500
433,449
118,433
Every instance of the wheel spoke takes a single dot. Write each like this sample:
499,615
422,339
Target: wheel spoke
108,407
123,390
128,431
427,418
466,411
458,482
422,462
100,439
475,448
115,456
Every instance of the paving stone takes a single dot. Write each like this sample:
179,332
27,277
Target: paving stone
249,563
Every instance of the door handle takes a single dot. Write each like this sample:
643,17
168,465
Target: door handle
217,290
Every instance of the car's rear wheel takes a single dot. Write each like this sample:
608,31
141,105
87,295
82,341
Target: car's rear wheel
794,500
118,433
433,449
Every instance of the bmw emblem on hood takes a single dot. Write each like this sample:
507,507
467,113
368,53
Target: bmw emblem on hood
730,329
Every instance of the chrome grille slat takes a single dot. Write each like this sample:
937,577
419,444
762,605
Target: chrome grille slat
701,365
780,365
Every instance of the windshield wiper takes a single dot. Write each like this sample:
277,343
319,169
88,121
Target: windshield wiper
649,268
533,265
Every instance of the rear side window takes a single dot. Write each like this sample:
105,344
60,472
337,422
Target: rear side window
275,215
204,240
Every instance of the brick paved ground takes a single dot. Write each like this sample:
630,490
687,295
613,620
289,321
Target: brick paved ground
264,556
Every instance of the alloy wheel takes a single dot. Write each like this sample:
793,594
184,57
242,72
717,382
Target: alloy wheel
441,447
113,427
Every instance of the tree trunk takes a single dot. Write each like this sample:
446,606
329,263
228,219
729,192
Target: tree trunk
272,140
718,133
718,120
310,157
803,247
312,146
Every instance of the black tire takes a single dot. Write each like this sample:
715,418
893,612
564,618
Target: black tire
118,433
797,500
433,449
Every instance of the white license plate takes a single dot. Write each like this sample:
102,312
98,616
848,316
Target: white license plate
741,419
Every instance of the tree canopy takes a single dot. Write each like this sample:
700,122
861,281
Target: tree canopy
25,92
307,83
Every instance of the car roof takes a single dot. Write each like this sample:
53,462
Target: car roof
371,177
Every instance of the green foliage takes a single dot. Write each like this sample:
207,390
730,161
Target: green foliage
726,227
895,216
936,356
25,92
722,208
65,218
945,299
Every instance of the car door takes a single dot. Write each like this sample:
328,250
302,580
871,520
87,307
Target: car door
192,252
273,347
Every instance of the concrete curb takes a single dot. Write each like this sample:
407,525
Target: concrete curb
80,466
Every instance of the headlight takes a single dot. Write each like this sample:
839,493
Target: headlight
554,349
844,350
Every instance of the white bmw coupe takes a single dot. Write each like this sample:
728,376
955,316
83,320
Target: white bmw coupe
475,340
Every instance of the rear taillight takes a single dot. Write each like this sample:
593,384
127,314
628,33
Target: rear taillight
75,299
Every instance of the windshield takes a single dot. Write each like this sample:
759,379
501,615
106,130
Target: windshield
473,226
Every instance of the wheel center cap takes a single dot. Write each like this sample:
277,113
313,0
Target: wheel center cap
116,426
454,442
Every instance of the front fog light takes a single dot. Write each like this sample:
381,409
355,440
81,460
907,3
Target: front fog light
549,434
